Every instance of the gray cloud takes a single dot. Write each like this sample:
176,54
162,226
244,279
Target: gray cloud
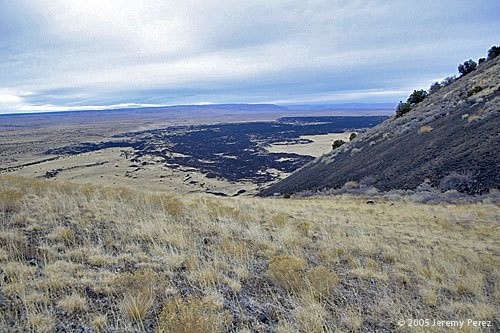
76,54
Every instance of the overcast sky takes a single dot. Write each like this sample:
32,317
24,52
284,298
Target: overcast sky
87,54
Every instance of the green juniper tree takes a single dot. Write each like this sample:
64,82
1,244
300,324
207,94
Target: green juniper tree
467,67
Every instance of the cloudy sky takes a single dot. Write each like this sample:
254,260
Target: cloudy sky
90,54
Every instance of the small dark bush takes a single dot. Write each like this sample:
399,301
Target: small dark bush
467,67
337,143
434,87
448,80
424,187
456,182
425,197
481,60
367,181
304,194
352,136
286,196
493,52
474,90
402,109
417,96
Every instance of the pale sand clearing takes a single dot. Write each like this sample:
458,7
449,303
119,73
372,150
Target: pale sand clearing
322,144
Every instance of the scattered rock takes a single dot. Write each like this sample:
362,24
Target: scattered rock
239,192
219,194
52,173
263,318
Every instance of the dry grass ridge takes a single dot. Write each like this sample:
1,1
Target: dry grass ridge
77,258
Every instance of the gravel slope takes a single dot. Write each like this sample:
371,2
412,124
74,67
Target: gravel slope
449,133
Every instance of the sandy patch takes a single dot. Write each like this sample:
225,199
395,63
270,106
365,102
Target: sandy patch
321,144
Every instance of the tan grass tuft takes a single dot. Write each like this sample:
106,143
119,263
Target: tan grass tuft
64,234
10,200
40,322
136,304
287,271
321,281
73,303
310,317
193,315
425,129
100,323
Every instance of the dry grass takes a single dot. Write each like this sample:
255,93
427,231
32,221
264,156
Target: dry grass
10,199
193,315
73,303
83,257
136,304
425,129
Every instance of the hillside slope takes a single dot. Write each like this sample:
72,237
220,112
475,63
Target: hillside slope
93,259
450,140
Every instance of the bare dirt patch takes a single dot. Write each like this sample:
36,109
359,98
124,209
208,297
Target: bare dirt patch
318,145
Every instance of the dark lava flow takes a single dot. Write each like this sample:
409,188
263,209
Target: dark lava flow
234,152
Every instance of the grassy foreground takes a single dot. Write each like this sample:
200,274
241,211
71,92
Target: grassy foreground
88,258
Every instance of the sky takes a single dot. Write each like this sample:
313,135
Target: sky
58,55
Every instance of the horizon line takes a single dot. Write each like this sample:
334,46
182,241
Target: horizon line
133,106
